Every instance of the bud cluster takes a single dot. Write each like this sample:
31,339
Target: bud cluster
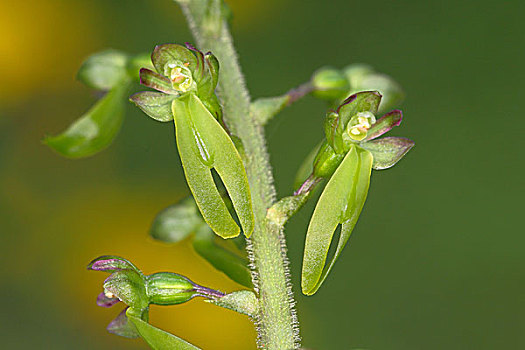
334,84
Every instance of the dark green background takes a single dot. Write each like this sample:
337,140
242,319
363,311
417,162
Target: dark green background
436,261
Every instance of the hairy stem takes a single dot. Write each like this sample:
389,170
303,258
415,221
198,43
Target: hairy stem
277,325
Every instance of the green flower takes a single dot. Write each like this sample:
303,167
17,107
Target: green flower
346,158
127,284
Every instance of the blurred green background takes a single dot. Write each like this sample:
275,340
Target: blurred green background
436,261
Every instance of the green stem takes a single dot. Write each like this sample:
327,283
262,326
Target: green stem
277,324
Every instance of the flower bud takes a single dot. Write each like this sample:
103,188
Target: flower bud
104,70
363,77
329,84
167,288
356,73
130,286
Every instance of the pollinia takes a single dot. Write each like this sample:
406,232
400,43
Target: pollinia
220,141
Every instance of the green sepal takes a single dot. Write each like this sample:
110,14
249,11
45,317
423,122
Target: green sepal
365,101
203,144
156,81
112,263
213,105
334,127
176,222
244,302
130,288
164,55
104,70
388,151
156,105
224,260
340,203
96,129
213,67
156,338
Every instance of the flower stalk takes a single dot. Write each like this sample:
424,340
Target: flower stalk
277,325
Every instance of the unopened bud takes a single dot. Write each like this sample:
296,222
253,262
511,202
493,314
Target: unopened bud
167,288
329,84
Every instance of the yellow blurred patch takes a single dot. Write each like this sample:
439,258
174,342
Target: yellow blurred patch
42,44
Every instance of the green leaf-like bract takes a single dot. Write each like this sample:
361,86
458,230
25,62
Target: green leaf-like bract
203,144
96,129
158,339
243,301
176,222
340,203
233,266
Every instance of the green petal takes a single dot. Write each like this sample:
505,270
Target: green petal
156,81
96,129
129,287
203,144
213,67
340,203
158,339
365,101
155,104
172,54
232,265
388,151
